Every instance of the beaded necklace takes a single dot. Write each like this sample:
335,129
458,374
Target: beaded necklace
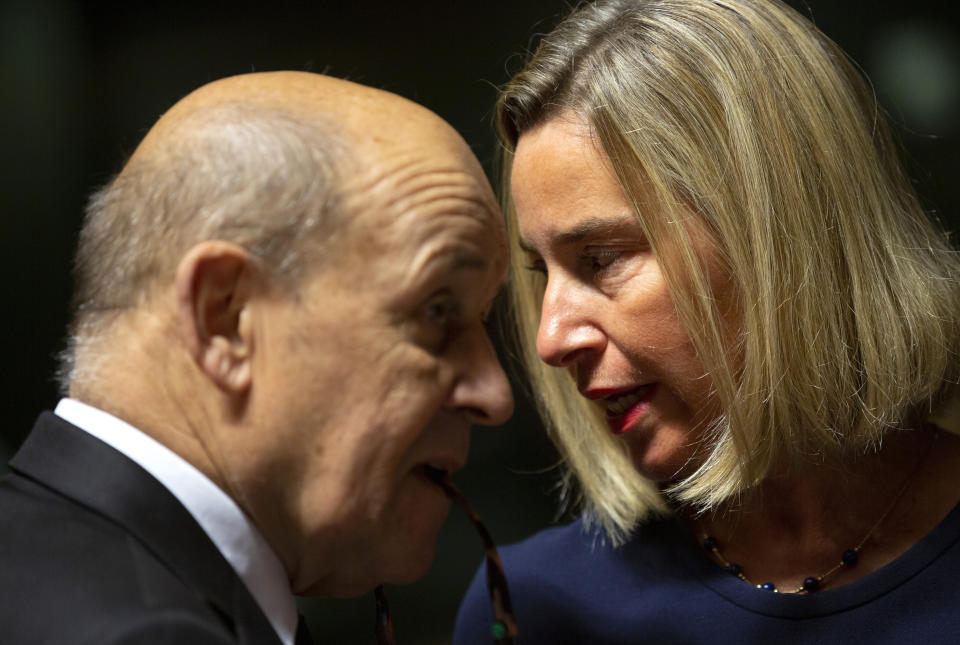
848,558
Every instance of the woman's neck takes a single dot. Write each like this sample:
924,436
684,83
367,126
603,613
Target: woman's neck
800,520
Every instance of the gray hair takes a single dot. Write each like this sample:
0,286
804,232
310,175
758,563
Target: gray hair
258,177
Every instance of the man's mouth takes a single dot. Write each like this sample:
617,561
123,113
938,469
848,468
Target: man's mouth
436,473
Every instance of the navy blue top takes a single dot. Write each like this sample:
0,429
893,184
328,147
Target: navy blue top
571,587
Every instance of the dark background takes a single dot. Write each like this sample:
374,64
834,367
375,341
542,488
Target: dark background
83,81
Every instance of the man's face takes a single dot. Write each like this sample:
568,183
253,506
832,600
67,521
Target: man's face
375,370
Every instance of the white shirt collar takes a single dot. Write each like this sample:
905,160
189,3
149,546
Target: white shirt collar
233,533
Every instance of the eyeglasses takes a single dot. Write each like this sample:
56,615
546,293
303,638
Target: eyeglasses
504,627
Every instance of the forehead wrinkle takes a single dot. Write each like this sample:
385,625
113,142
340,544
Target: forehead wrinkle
417,203
438,192
441,249
406,182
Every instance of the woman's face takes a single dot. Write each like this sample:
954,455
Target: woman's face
607,315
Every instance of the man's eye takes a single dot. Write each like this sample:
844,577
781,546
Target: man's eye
440,318
442,311
491,323
537,266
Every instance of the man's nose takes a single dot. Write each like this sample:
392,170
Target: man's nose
482,391
566,331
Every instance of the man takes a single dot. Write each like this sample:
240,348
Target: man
279,326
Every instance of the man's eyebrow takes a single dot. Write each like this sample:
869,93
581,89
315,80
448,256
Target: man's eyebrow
454,261
441,263
468,262
588,228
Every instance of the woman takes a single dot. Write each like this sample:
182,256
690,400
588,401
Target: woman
743,333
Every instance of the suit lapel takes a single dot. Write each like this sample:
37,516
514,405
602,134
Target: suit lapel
303,634
83,468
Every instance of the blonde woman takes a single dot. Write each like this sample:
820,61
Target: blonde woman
743,333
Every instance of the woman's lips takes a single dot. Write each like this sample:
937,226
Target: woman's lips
624,410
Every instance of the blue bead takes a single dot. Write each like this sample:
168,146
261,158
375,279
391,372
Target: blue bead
768,586
709,543
811,584
849,557
734,569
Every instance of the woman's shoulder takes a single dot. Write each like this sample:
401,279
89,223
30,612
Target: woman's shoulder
558,577
536,559
567,540
539,570
571,554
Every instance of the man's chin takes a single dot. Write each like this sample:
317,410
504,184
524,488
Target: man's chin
411,566
399,569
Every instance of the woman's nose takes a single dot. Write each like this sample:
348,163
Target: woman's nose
567,331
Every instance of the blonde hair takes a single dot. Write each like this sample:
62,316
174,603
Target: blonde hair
742,112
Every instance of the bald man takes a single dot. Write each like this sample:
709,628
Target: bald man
278,327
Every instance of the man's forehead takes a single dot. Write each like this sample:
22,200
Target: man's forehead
426,218
421,178
460,234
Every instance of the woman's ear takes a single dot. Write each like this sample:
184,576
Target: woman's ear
214,282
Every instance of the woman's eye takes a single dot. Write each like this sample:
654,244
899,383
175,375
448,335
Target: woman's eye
600,259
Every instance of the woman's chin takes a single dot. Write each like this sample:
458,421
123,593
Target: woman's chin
664,470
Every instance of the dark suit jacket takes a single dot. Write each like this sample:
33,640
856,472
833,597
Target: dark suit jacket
94,550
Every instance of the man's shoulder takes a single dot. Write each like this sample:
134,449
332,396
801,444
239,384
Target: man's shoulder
68,574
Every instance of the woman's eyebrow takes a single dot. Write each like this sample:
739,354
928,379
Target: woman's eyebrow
588,228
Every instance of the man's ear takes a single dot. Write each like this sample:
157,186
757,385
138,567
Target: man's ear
214,282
